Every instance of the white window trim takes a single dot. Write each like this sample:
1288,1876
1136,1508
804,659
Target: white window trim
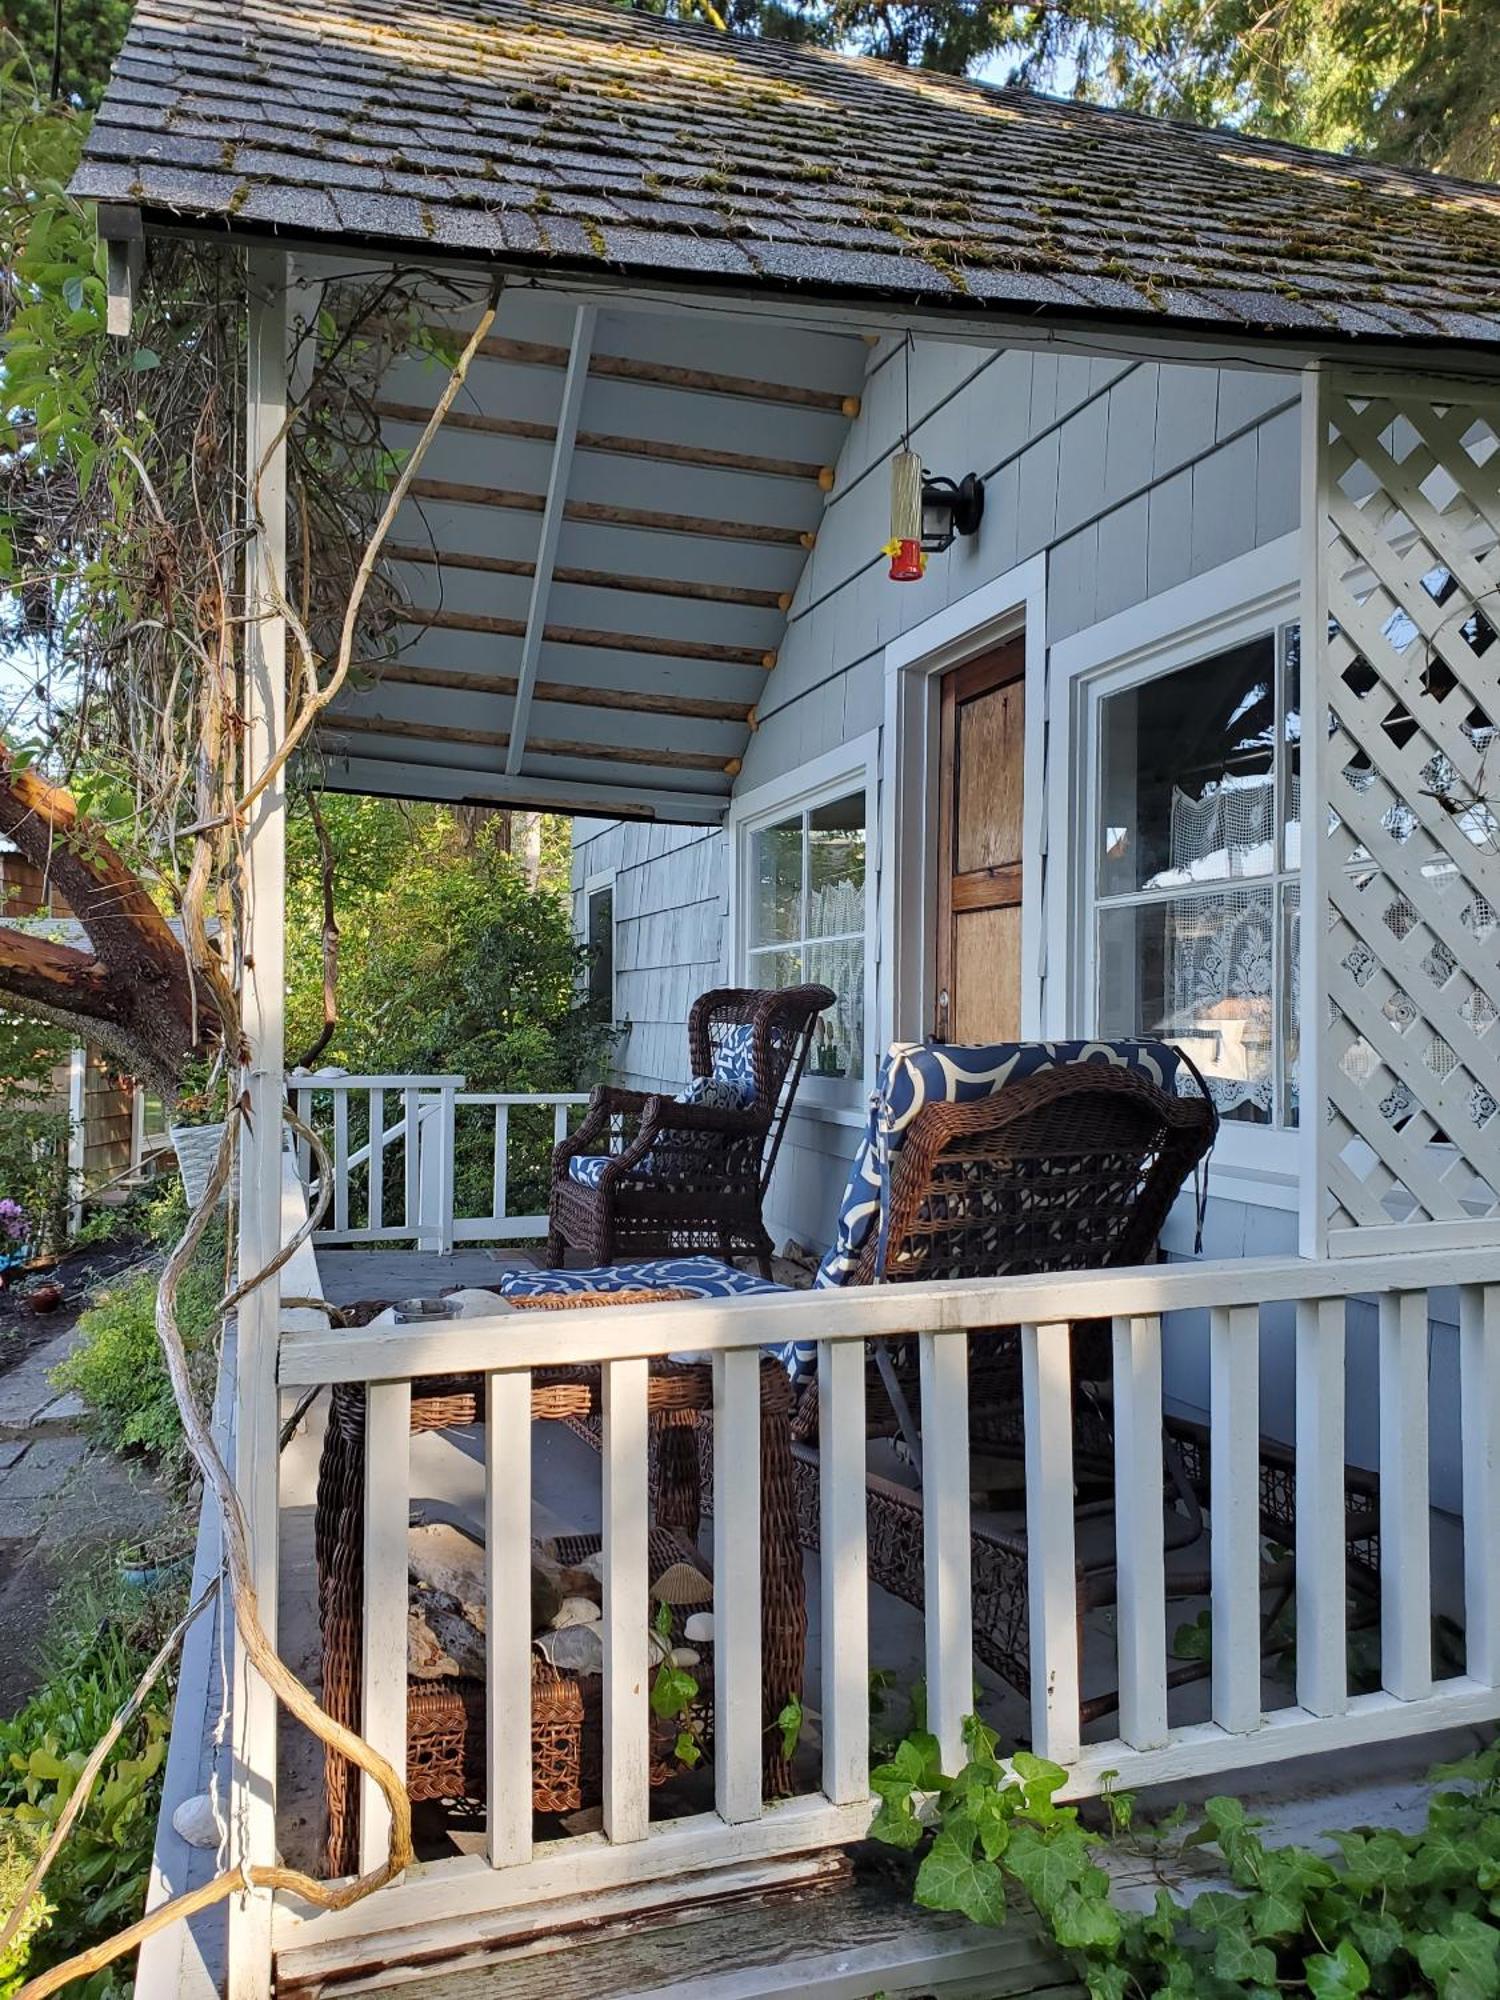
1010,604
604,878
852,767
1240,600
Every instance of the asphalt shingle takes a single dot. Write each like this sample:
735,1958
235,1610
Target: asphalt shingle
574,132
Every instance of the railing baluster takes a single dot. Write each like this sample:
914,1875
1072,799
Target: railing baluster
1322,1640
1234,1511
844,1570
626,1604
502,1160
1479,1365
303,1101
949,1594
1405,1522
737,1585
377,1160
1051,1568
507,1544
559,1123
340,1158
383,1647
1141,1619
413,1162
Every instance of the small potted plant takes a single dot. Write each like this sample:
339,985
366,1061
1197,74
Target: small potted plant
15,1239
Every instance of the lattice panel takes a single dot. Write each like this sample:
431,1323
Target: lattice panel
1409,870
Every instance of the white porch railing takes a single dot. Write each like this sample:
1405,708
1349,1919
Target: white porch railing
1151,1744
420,1159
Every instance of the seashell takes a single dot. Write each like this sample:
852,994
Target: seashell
682,1584
684,1656
196,1822
576,1611
578,1649
699,1628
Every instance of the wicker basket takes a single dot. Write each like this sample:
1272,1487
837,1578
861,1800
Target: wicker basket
445,1723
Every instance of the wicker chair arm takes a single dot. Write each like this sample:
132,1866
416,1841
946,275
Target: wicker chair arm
661,1116
607,1102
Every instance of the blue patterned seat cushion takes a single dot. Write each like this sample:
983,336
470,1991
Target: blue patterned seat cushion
914,1074
704,1277
587,1168
734,1060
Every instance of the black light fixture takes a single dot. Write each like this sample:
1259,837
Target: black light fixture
950,508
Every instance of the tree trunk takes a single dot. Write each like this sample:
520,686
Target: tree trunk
133,993
529,846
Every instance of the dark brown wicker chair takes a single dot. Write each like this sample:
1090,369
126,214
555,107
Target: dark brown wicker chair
1074,1168
682,1179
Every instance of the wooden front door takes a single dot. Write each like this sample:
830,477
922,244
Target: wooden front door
981,746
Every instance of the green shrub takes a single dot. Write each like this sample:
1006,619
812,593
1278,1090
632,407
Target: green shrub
96,1655
118,1368
34,1170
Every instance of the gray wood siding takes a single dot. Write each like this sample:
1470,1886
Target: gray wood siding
1130,477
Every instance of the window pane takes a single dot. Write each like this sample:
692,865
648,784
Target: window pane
839,1039
836,868
1196,970
1291,1000
776,883
1188,790
1291,669
602,950
774,968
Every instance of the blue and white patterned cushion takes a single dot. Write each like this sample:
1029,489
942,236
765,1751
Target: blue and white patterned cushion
588,1168
914,1074
734,1060
704,1277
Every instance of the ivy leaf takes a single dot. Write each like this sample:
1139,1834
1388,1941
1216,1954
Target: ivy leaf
1046,1864
1039,1780
896,1823
1461,1958
1378,1935
1442,1861
1238,1957
1084,1919
1340,1975
686,1750
951,1878
789,1722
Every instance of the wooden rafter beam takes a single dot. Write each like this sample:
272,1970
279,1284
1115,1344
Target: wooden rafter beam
589,579
542,746
607,444
461,493
554,513
582,635
626,368
697,708
398,778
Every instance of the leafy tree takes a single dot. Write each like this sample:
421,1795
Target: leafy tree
92,31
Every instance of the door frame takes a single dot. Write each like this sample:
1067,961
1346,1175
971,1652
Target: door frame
1012,604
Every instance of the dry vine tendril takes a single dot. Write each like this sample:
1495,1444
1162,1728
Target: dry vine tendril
137,553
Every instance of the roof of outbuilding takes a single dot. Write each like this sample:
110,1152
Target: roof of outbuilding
584,136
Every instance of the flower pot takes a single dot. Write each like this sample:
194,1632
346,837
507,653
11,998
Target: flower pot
197,1147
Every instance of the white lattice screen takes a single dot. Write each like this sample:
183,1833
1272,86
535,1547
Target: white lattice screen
1407,688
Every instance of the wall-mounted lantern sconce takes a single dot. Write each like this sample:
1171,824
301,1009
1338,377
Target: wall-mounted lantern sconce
950,508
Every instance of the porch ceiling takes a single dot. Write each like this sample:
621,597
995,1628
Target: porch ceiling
597,559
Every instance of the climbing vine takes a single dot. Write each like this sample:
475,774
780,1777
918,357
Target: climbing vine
1379,1912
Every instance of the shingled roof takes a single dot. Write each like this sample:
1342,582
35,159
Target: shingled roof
586,137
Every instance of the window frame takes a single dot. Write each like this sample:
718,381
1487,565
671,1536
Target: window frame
595,885
1254,596
852,767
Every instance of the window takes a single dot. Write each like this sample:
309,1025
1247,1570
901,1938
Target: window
1194,880
599,934
806,919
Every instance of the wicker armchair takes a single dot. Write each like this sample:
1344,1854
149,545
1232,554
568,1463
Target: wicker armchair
676,1178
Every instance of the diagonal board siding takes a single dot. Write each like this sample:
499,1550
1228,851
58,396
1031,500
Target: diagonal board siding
1131,476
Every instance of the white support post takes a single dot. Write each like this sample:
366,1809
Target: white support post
949,1589
1405,1508
1312,1133
78,1090
435,1121
383,1631
507,1551
843,1570
1322,1640
502,1162
1479,1365
627,1611
1234,1514
737,1586
411,1112
252,1829
375,1203
1051,1562
1141,1619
